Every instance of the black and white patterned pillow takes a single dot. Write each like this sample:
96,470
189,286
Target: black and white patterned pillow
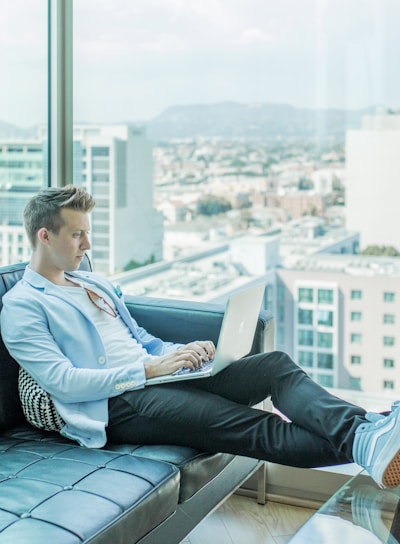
37,405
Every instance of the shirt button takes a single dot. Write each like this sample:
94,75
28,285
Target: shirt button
117,386
101,360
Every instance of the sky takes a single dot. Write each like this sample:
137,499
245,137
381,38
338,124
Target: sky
135,58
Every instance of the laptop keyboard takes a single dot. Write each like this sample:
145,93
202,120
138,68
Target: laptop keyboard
203,368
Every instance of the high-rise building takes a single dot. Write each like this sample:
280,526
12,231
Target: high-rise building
372,186
22,174
117,169
339,317
114,163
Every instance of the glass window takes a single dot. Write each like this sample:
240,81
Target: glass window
305,337
389,319
388,384
355,360
356,316
388,340
325,380
388,363
23,115
355,383
305,317
281,335
389,297
102,229
325,318
102,215
325,339
356,338
98,254
100,163
306,294
269,296
211,125
325,296
100,151
100,178
306,358
325,360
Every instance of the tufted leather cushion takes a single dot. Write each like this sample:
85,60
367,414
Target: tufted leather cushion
10,407
54,491
197,468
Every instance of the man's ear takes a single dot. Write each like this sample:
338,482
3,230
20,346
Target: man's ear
43,235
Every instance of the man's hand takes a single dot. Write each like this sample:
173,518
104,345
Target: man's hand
191,355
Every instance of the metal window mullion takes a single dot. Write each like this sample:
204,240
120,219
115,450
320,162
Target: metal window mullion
60,122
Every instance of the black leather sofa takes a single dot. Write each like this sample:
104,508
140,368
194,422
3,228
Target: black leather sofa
52,490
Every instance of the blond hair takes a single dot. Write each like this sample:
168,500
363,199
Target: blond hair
43,210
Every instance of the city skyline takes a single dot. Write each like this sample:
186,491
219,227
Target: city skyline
134,60
336,310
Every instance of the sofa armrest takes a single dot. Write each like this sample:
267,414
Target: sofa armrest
185,321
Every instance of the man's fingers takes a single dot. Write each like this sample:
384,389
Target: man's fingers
187,357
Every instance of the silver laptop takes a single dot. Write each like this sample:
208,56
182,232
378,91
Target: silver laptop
235,338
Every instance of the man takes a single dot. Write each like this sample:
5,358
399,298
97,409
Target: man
72,333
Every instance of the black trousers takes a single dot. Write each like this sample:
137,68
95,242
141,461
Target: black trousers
214,414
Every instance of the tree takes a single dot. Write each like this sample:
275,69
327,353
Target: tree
305,184
238,163
213,205
385,251
132,264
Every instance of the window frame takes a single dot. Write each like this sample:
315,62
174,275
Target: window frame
60,93
389,319
389,297
389,362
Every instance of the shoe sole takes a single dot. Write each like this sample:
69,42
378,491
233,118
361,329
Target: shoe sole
391,475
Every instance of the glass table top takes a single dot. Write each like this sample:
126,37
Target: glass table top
359,512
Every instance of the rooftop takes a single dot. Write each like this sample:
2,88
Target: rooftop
357,265
212,274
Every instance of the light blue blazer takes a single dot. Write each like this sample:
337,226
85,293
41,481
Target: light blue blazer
50,336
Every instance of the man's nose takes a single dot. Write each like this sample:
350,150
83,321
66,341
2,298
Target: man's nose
86,242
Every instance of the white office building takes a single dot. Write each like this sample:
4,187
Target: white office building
373,174
338,316
117,169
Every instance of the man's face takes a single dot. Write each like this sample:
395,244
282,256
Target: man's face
67,248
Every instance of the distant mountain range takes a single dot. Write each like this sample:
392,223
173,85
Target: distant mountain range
9,131
237,120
